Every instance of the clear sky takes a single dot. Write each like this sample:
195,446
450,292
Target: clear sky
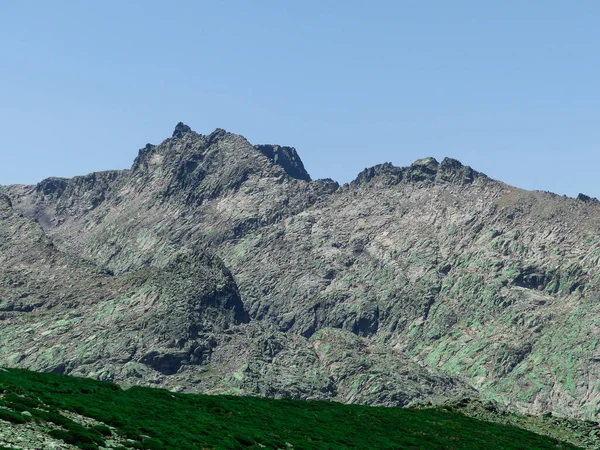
511,88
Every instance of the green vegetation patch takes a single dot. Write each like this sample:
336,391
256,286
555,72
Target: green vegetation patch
158,419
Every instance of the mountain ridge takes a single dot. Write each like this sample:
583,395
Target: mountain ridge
430,164
408,284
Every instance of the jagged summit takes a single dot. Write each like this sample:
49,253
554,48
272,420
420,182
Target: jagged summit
192,150
190,153
422,170
429,162
180,130
586,198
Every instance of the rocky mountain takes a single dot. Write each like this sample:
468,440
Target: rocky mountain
213,265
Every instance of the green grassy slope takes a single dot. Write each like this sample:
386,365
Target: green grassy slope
159,419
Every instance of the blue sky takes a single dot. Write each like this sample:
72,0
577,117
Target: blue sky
511,88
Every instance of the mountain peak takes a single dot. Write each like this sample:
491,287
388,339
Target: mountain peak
428,162
180,130
422,170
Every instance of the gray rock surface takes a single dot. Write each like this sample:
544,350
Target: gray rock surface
217,266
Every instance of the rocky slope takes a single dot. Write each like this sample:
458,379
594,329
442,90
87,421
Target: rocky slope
214,265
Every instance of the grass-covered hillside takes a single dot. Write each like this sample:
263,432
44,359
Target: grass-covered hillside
45,410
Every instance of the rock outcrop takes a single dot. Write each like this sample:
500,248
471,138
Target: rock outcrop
286,157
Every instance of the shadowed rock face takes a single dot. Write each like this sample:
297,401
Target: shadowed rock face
286,157
218,266
63,314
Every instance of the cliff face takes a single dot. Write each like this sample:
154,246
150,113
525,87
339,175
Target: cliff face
214,265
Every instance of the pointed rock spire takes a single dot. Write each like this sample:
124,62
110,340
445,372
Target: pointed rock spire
180,130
